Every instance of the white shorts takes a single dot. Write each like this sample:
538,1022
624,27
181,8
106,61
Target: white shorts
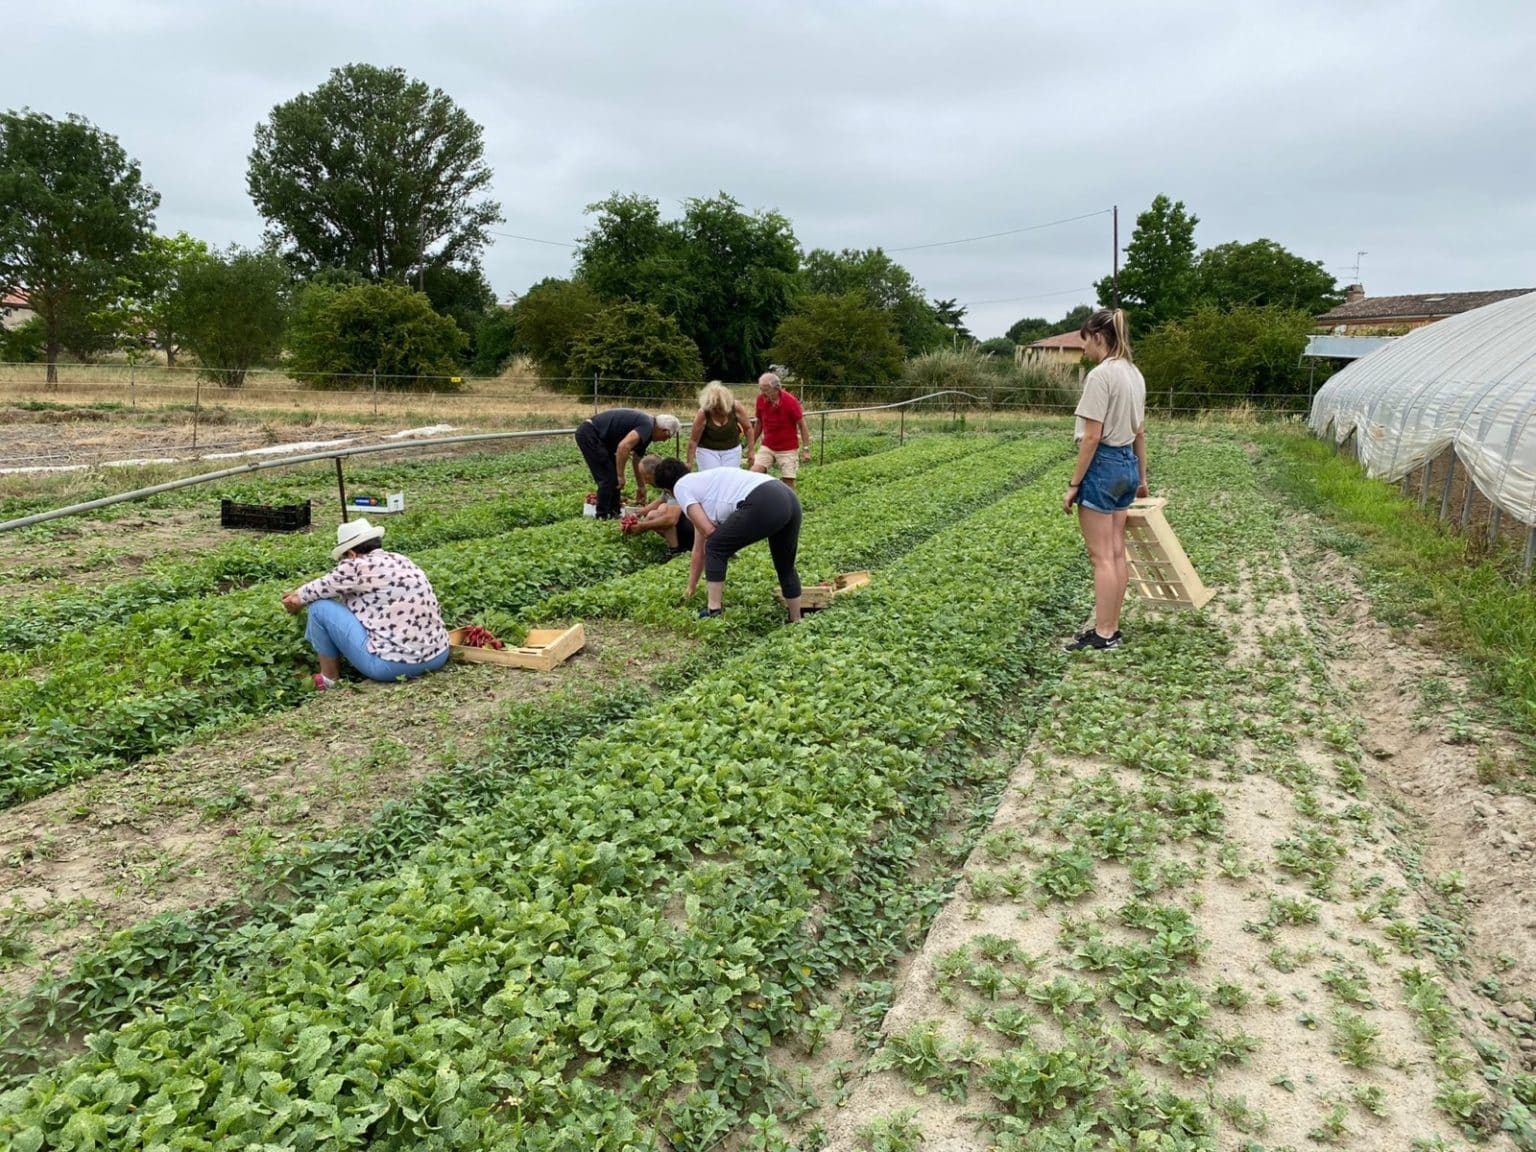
788,463
725,458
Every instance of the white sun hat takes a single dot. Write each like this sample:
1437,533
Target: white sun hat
353,533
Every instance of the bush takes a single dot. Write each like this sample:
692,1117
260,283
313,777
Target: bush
24,344
999,346
548,320
636,351
840,347
340,337
233,309
1220,358
495,343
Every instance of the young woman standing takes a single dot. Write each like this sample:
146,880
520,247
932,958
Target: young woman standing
1111,469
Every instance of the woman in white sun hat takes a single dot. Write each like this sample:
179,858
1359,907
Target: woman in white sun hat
376,609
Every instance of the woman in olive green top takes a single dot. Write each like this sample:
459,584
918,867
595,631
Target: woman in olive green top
718,428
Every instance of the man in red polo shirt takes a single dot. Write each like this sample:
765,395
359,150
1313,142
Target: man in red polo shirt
785,440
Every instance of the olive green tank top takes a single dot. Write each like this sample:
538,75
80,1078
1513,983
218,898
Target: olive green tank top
720,437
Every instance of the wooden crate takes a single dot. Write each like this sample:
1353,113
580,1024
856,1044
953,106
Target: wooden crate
544,649
1160,571
814,596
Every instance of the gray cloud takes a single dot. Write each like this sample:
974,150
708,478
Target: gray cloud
1397,128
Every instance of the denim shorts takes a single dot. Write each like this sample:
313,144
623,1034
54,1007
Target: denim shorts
1111,480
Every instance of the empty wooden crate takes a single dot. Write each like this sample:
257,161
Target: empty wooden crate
813,596
544,649
1160,571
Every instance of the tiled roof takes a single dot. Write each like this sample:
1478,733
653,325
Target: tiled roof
1069,341
14,300
1415,307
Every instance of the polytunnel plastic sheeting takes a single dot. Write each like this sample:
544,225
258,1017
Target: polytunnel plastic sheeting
1467,382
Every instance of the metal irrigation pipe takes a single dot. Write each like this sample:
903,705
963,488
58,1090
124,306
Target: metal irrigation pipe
260,465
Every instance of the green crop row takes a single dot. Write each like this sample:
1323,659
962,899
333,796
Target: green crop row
601,961
861,525
93,700
540,487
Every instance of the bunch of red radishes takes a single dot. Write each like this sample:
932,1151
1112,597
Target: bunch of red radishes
477,637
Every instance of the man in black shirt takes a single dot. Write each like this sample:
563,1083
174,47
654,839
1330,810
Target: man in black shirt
613,438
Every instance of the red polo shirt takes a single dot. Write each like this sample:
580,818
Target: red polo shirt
780,422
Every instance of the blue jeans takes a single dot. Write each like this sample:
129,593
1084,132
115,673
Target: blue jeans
1111,481
333,631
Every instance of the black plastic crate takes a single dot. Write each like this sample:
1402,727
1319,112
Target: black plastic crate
264,518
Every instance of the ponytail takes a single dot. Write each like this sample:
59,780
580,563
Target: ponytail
1110,325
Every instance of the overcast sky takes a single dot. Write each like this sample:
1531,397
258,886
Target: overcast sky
1399,128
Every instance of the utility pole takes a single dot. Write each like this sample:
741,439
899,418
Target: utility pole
1115,276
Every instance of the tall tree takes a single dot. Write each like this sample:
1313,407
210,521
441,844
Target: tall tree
886,285
74,212
233,310
374,172
951,314
1157,280
742,268
1263,273
1028,330
726,275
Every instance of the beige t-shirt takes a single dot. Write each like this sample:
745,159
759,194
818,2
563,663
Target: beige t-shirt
1116,396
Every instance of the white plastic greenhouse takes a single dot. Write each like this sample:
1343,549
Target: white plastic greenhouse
1466,383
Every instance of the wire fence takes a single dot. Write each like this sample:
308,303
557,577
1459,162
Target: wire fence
508,398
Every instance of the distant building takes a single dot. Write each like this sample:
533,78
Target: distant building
15,310
1063,351
1362,315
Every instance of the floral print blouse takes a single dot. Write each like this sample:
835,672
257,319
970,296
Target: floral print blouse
392,599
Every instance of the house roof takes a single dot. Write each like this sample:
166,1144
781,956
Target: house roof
1067,341
1416,307
15,300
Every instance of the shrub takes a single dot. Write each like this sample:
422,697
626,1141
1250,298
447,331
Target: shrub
634,349
233,311
340,336
1217,358
839,346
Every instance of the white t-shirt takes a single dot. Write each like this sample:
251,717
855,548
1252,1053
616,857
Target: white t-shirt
1116,396
718,490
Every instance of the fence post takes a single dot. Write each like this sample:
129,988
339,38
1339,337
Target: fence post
375,377
341,490
197,404
133,394
1466,501
822,459
594,393
1445,488
903,439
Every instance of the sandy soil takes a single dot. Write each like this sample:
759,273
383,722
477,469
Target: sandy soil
1455,849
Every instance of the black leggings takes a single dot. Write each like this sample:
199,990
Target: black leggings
604,468
770,512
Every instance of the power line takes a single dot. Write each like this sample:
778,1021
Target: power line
1009,232
1017,299
531,239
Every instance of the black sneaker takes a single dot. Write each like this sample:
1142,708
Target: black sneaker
1091,641
710,613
